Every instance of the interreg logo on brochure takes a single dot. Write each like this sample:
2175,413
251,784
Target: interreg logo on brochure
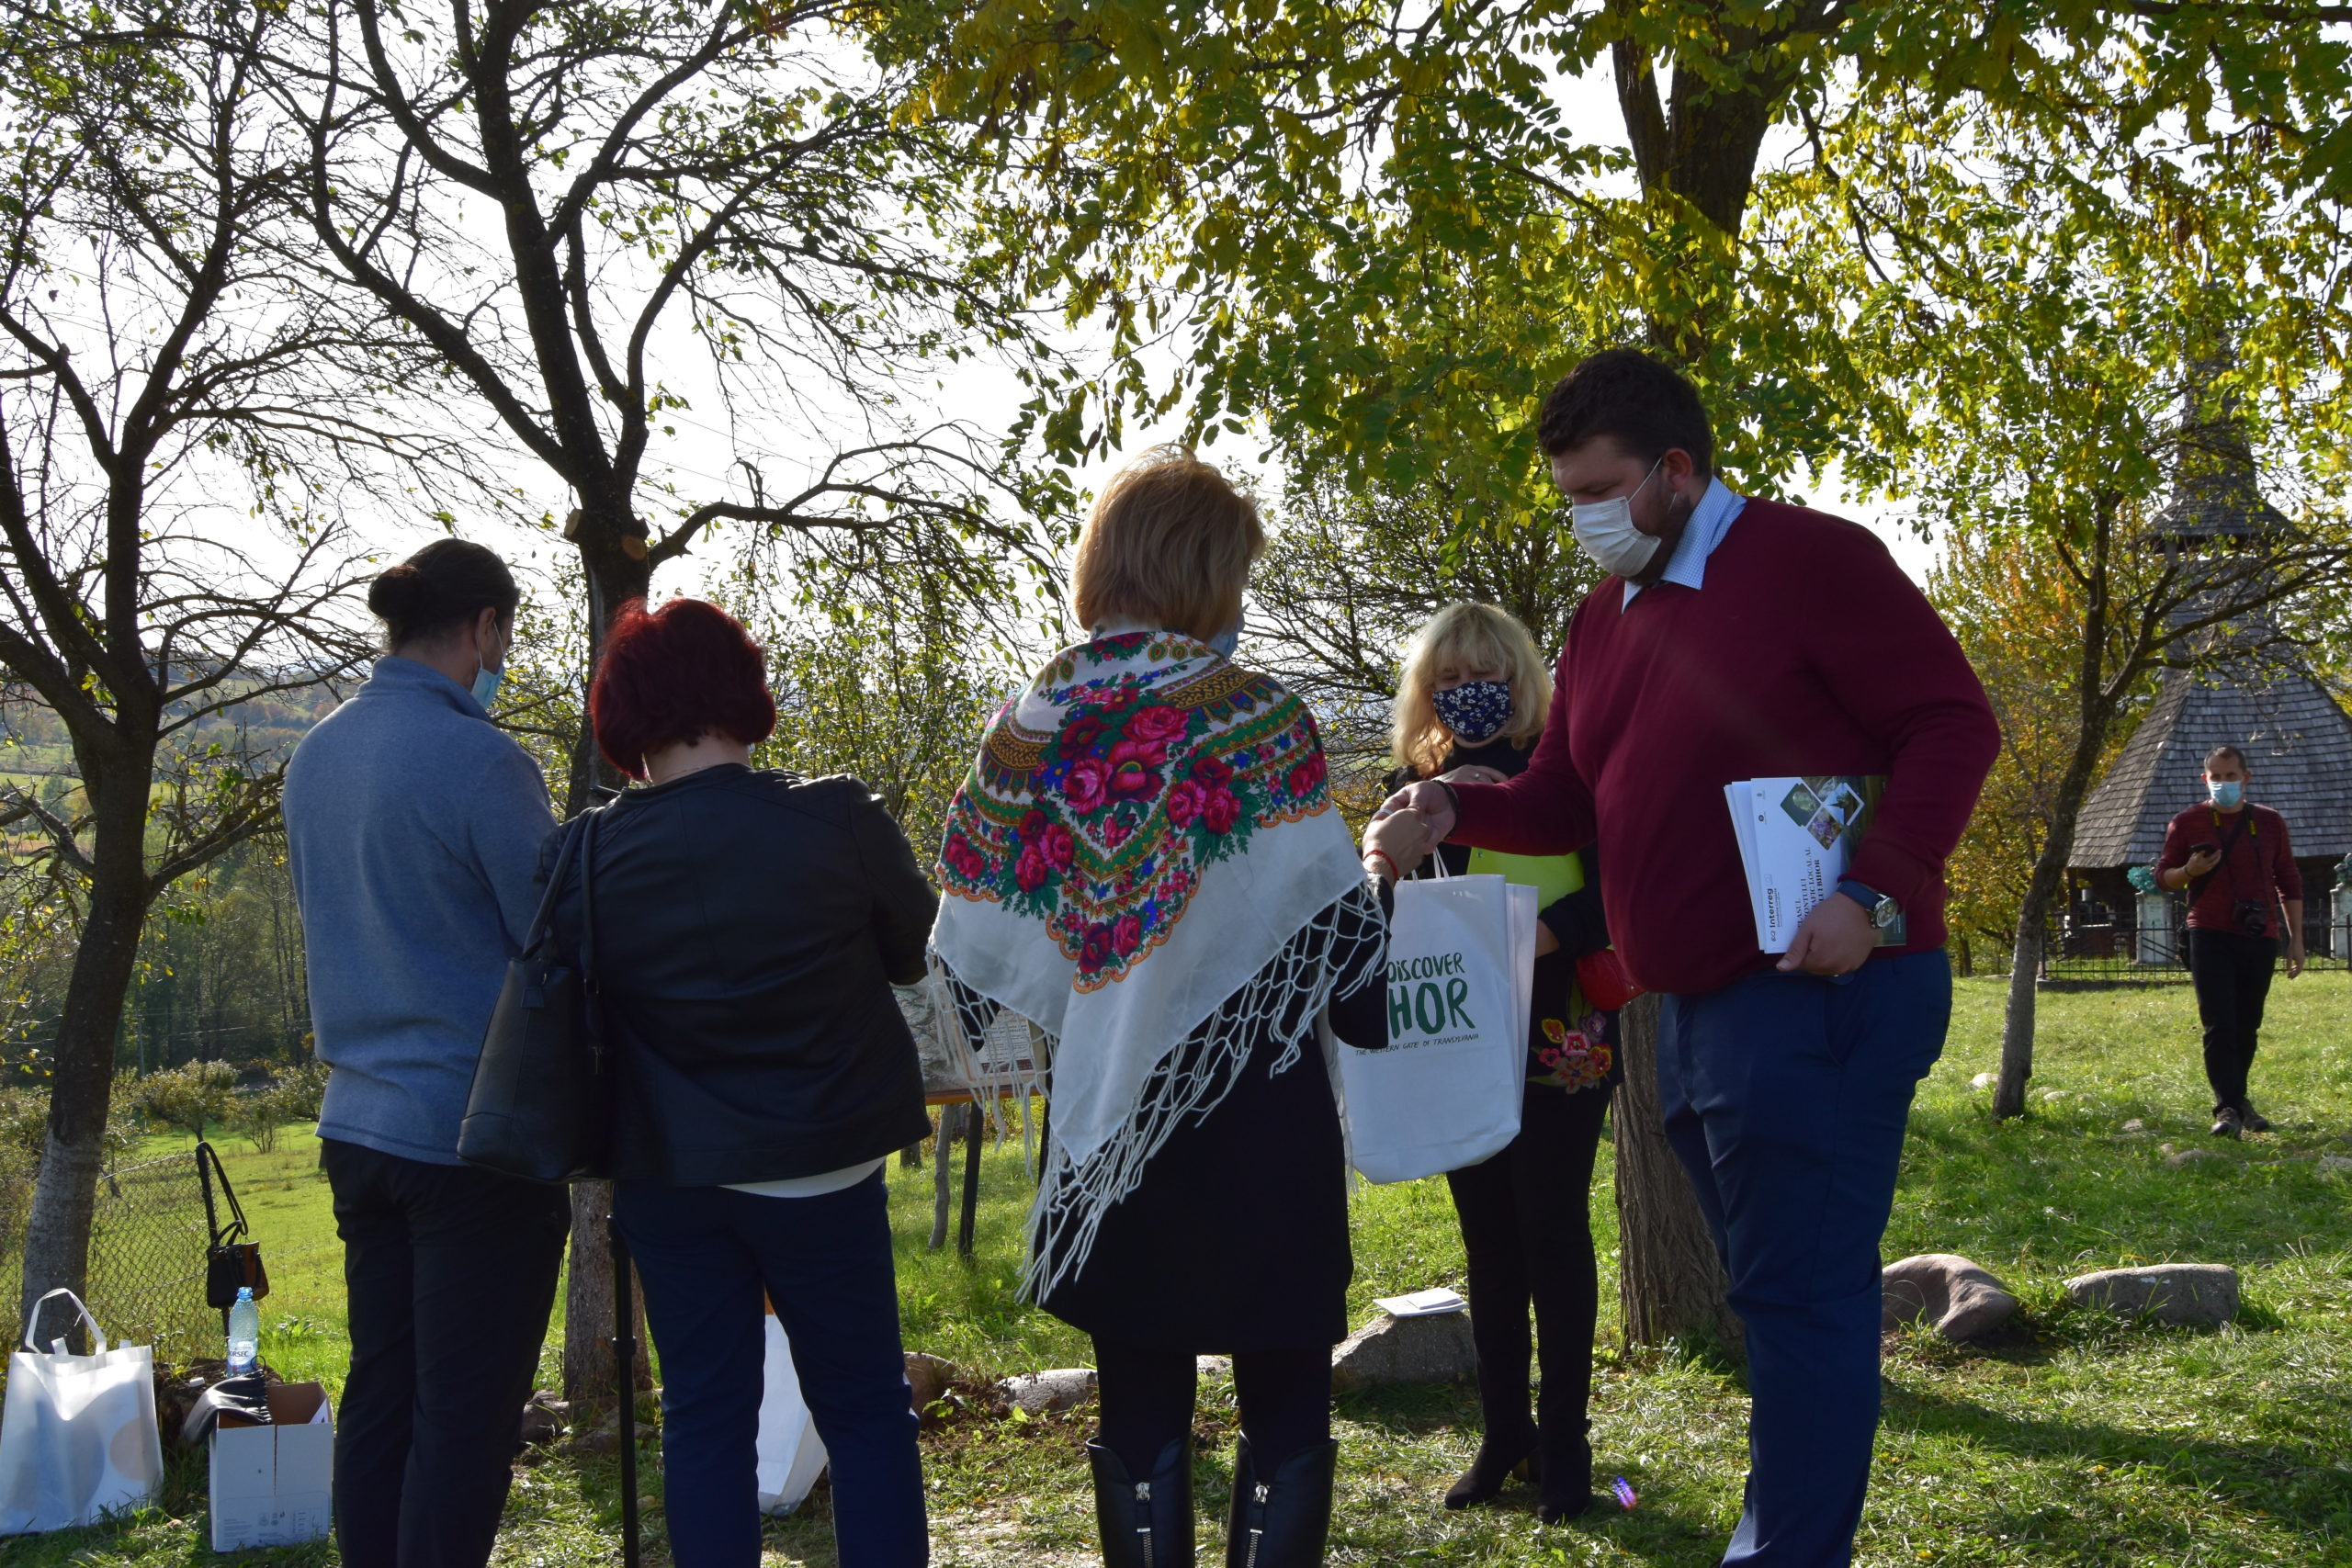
1429,1001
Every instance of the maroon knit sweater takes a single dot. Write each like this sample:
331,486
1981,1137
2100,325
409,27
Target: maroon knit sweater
2260,867
1808,651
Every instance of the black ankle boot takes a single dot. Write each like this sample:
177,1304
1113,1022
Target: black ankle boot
1565,1487
1145,1522
1282,1520
1499,1460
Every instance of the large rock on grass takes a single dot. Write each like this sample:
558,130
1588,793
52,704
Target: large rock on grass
1961,1299
2165,1293
1059,1388
1435,1347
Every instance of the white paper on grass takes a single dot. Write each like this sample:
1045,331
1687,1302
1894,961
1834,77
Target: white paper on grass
791,1455
1445,1092
1430,1302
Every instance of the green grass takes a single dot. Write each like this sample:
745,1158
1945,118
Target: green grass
2087,1441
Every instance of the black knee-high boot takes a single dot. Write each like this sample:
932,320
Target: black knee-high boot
1282,1520
1145,1522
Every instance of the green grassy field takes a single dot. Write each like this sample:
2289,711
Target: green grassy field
2088,1441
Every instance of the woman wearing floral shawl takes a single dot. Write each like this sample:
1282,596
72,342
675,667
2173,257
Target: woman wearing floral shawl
1145,862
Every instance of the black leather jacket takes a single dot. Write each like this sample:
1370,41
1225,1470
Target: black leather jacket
748,927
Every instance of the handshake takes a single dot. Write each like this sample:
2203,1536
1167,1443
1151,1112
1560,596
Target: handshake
1409,825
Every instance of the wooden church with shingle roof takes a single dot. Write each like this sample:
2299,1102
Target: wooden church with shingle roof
2297,740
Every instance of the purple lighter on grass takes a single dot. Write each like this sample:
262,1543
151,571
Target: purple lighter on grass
1625,1494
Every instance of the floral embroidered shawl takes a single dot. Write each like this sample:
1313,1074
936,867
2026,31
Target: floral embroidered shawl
1144,828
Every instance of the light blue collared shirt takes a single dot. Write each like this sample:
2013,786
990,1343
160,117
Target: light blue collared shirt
1710,521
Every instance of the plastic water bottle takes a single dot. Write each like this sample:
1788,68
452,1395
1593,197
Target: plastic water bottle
244,1333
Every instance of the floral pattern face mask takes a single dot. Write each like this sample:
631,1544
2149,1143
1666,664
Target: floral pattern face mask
1475,710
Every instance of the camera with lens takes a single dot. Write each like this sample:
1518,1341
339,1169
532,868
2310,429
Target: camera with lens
2252,917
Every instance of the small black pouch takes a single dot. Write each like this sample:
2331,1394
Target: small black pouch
231,1262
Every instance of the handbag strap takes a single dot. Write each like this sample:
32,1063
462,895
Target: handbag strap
575,831
32,1321
208,1170
588,899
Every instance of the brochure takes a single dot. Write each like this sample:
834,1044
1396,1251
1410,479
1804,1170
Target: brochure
1796,838
1421,1303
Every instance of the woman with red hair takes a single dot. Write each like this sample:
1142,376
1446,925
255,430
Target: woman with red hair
748,927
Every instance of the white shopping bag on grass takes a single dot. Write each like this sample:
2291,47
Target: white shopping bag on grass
78,1439
791,1455
1445,1091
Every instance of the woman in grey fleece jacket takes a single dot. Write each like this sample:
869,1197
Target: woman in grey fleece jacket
414,828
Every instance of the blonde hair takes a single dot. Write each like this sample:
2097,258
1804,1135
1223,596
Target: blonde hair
1473,637
1170,543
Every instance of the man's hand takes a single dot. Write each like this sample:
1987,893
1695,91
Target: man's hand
2202,859
2295,956
1427,798
1836,938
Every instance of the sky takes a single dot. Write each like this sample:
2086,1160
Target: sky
702,458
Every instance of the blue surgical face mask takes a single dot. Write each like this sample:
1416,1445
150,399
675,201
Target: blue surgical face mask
486,680
1475,710
1225,641
2227,792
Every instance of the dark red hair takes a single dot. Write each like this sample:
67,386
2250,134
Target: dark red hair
674,674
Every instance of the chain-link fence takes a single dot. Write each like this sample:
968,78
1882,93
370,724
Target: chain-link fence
147,1240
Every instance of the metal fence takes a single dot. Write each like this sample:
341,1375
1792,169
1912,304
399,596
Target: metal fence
147,1241
2118,950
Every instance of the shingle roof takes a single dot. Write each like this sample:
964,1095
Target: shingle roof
2298,746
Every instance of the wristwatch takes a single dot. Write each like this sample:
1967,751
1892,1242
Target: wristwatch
1882,911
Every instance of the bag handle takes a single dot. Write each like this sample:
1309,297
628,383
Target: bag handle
57,1346
576,831
208,1169
588,899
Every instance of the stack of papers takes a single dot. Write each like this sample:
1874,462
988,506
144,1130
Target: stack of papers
1796,837
1421,1303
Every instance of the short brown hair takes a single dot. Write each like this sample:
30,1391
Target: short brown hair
1170,541
2225,749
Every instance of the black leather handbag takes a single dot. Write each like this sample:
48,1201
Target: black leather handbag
540,1105
231,1262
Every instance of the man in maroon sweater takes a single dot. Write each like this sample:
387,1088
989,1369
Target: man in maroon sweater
1741,639
2245,894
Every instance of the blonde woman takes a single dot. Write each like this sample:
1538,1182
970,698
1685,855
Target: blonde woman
1469,707
1146,862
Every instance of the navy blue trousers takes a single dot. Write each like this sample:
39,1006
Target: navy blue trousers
704,1254
1786,1096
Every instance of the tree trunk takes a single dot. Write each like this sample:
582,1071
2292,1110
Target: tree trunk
2095,717
1670,1283
57,1233
615,577
588,1320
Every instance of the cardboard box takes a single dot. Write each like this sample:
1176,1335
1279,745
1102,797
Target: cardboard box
274,1485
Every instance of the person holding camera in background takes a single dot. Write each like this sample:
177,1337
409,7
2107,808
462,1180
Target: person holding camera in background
2244,895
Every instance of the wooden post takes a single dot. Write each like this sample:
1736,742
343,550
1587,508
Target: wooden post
1670,1284
976,1125
943,1174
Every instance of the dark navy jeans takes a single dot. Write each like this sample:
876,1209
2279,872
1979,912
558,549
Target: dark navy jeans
1786,1096
704,1254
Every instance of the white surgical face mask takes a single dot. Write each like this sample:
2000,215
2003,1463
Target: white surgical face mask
1605,529
1225,641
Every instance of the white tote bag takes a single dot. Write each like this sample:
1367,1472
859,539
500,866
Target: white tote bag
78,1440
791,1455
1445,1092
